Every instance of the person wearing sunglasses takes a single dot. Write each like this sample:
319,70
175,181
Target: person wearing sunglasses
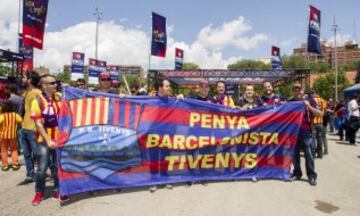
44,111
80,83
105,83
304,141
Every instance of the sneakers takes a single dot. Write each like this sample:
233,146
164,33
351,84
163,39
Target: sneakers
5,168
15,167
57,196
169,187
152,189
312,181
38,198
295,177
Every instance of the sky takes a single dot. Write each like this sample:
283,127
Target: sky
213,33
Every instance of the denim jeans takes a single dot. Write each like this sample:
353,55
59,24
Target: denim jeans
28,144
304,144
319,139
46,158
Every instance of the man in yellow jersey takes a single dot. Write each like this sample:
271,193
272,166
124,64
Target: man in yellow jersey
28,143
318,127
44,111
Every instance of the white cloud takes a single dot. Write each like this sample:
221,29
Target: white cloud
123,44
341,39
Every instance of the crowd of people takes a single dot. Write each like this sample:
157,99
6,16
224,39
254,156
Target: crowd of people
29,122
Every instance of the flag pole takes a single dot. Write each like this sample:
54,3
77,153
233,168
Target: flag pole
149,65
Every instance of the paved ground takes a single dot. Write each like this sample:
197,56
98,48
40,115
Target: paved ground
337,193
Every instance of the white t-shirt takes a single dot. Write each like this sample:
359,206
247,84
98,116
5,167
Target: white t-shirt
353,108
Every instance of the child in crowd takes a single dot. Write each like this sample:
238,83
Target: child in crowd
9,121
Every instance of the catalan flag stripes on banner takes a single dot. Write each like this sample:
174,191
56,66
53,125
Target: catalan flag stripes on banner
104,111
111,142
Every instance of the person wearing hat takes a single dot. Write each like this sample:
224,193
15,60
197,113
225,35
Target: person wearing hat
105,85
304,141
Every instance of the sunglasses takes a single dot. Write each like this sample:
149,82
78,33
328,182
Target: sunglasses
51,83
105,79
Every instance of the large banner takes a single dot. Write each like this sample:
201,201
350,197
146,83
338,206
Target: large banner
77,65
34,20
28,55
95,68
159,38
107,142
313,44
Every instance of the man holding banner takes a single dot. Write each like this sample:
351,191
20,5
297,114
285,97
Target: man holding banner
304,141
44,111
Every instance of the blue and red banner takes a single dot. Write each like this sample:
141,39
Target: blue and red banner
77,65
275,57
114,72
34,20
110,142
95,68
28,55
179,58
159,37
313,44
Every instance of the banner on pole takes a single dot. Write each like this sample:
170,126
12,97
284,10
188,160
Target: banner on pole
110,142
313,44
179,58
114,72
34,20
95,68
159,37
77,65
28,55
275,57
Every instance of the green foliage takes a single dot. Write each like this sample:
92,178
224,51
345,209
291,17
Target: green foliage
248,64
5,70
64,77
294,61
350,66
190,66
325,86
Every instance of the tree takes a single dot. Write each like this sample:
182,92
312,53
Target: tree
64,77
248,64
325,86
190,66
4,70
294,61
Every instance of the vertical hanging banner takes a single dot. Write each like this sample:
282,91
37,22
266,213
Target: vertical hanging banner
106,142
179,58
77,66
275,57
114,72
34,19
95,68
313,44
159,37
27,52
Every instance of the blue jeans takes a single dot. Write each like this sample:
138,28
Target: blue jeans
46,158
305,144
319,139
28,144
